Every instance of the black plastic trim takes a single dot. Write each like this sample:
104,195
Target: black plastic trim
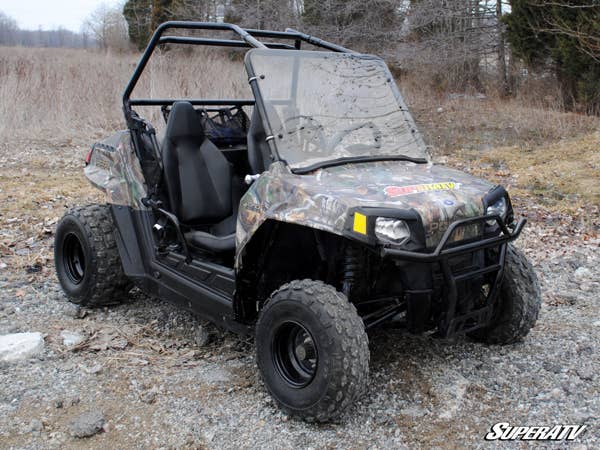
442,252
200,286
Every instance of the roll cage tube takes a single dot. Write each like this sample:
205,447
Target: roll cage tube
248,40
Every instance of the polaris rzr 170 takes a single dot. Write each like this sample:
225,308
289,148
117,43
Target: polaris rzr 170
318,217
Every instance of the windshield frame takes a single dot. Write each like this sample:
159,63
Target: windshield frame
271,141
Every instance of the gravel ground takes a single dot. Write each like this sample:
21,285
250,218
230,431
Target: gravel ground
134,376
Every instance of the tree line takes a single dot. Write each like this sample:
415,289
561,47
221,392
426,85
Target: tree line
454,45
12,35
458,43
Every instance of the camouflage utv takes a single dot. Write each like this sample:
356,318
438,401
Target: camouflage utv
309,222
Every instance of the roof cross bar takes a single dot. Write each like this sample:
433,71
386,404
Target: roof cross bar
248,39
154,41
219,42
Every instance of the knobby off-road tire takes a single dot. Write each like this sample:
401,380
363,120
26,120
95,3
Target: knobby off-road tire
518,303
86,257
312,350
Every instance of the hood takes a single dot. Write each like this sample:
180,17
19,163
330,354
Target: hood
439,194
324,199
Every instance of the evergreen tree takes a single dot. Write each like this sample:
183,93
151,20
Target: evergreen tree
162,11
138,14
564,35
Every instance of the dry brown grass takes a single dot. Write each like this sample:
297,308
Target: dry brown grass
562,176
452,122
63,93
59,92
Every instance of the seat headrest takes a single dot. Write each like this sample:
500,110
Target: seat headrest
184,123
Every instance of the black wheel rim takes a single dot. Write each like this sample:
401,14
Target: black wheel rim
295,354
73,258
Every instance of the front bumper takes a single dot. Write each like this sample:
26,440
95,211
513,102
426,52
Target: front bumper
452,322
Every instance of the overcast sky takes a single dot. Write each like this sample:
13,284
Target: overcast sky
50,14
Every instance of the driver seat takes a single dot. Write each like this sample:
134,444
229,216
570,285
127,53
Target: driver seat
259,153
198,179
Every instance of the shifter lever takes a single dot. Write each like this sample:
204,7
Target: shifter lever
249,179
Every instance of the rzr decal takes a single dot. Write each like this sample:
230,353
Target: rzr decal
397,191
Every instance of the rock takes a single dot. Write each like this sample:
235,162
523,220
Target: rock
72,400
583,274
552,367
585,373
201,335
87,424
570,297
556,394
93,370
74,311
20,346
12,328
414,411
148,397
71,338
35,427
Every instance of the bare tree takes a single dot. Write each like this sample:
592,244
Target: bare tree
108,28
502,67
8,29
265,14
11,34
370,26
454,38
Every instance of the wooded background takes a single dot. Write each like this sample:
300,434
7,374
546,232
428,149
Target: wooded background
452,46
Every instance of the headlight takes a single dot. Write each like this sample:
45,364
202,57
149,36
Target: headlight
498,208
392,230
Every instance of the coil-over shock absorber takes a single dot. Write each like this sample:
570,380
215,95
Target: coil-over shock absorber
351,270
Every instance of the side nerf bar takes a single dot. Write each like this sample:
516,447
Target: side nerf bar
443,251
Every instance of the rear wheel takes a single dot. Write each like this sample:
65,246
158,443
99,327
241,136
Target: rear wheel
86,257
312,350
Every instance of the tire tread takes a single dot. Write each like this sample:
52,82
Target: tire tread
341,321
109,282
521,294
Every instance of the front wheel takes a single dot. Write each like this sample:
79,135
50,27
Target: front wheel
312,350
518,303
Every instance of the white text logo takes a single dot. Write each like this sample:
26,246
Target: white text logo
504,431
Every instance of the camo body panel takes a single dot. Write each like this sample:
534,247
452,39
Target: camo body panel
115,169
324,198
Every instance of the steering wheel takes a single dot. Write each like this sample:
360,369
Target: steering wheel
308,129
337,138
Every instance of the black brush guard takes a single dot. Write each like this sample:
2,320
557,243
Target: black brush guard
452,323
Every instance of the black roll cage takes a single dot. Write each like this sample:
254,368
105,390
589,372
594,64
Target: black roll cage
248,40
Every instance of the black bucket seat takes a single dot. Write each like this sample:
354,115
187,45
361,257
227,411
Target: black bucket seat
199,182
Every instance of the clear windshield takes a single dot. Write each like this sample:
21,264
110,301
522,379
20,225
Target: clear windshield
324,106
